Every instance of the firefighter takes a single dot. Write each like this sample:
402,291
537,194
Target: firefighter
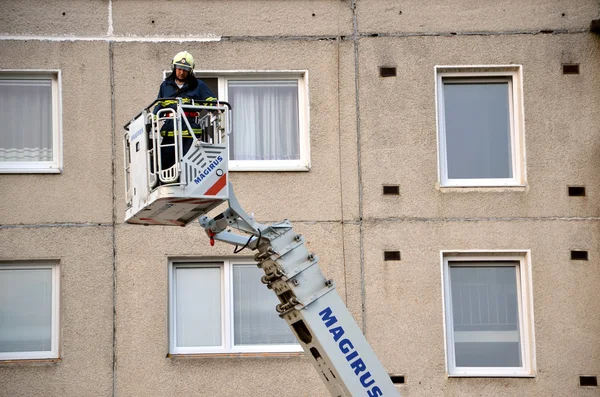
181,83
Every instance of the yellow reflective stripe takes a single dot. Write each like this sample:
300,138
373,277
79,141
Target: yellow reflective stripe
210,99
169,102
184,133
174,101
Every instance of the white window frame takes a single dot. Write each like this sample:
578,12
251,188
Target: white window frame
227,332
303,163
525,302
53,353
514,75
40,167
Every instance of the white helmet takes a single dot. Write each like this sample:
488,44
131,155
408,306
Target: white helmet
183,60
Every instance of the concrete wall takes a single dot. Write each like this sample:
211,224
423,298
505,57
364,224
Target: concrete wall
365,131
85,257
82,193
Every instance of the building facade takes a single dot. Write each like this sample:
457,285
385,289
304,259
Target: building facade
441,159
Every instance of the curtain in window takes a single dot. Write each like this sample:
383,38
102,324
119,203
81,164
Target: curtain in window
255,320
198,306
485,313
26,114
265,120
25,310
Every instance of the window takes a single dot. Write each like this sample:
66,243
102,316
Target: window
488,314
30,108
480,126
223,307
29,311
270,119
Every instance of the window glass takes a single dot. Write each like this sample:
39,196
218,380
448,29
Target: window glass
485,314
481,132
25,310
265,119
223,307
198,306
255,318
477,125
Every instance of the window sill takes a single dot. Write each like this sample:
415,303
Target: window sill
492,375
249,168
33,361
467,189
269,165
30,171
234,355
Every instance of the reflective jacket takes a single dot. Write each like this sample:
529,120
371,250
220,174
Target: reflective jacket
193,88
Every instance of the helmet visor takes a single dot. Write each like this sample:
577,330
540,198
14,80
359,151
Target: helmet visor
183,67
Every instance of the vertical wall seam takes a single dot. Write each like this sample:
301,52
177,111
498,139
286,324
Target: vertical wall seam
111,63
359,170
114,215
340,140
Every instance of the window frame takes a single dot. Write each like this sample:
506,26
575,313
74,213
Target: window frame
525,307
53,353
303,163
40,167
227,311
484,73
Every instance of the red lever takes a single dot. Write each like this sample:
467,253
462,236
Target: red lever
211,234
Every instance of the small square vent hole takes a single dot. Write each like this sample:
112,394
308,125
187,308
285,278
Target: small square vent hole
579,255
588,381
570,68
385,71
397,379
391,190
577,191
391,255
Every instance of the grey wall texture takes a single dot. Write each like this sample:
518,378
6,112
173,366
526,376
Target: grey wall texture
366,131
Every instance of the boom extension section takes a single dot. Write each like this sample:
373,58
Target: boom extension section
308,303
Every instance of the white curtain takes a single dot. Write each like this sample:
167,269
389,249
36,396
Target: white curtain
26,120
265,120
198,306
25,310
255,320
